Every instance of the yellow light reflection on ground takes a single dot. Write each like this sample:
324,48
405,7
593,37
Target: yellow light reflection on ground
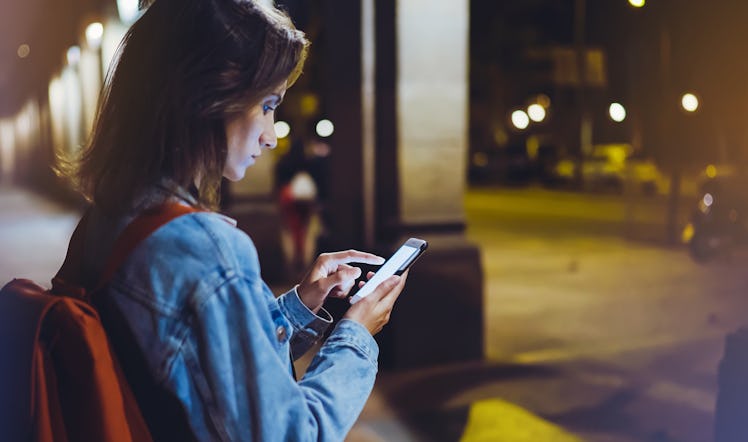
499,421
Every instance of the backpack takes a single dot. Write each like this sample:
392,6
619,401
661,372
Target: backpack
59,379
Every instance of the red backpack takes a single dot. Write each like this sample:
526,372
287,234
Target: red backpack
59,379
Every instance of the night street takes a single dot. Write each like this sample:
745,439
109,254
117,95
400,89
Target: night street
574,170
637,328
611,339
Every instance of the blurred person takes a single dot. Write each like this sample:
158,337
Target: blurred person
297,194
301,187
319,168
204,343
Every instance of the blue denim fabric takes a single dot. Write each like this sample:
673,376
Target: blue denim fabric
216,337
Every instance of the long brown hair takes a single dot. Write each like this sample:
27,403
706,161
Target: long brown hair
182,70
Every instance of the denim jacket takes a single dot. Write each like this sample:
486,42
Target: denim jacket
189,315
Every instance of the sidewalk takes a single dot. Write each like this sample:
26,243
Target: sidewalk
451,404
438,404
34,235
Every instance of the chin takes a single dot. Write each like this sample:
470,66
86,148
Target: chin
234,175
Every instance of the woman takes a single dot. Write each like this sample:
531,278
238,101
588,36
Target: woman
203,342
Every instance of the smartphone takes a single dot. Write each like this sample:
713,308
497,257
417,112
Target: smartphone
398,263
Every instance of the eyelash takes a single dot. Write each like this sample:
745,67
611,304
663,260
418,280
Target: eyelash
267,108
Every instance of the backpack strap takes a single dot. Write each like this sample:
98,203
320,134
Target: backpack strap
139,229
67,280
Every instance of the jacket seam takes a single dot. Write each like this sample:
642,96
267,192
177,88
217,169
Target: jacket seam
363,350
210,406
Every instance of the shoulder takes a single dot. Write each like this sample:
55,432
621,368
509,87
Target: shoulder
188,260
207,236
201,246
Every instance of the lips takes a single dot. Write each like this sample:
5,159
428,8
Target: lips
252,159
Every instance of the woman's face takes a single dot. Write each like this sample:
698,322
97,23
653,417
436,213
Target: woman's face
249,133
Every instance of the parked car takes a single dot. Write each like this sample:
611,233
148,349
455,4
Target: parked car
610,168
719,221
509,165
642,172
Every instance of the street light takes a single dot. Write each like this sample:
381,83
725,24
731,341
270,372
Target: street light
94,34
617,112
128,11
637,3
520,119
689,102
324,128
23,51
536,112
282,129
73,55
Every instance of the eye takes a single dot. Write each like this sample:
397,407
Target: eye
267,108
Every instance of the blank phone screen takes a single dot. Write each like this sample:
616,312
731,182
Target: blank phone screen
402,257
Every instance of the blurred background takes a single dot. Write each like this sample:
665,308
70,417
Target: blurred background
577,166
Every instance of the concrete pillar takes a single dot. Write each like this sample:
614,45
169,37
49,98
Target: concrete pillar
432,109
440,317
421,101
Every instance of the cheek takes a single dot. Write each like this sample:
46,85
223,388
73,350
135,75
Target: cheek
248,135
236,138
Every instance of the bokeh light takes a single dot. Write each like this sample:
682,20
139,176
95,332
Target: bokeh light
689,102
711,171
94,34
128,10
543,100
520,119
536,112
74,55
617,112
325,128
282,129
24,50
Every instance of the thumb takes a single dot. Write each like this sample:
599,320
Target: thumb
384,288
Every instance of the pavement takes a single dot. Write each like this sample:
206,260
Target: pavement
34,232
637,364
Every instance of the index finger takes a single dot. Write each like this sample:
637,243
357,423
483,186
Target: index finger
337,258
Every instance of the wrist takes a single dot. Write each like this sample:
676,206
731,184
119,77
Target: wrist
308,303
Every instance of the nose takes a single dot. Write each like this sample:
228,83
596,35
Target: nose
268,139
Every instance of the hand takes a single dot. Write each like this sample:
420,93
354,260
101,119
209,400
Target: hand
331,275
373,311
